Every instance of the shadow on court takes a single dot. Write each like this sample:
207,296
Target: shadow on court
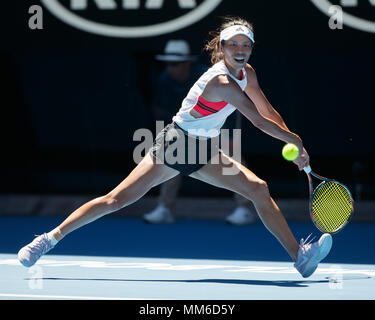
286,283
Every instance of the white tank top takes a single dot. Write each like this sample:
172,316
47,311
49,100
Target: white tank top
213,114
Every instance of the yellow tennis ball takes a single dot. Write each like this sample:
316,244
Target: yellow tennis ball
290,152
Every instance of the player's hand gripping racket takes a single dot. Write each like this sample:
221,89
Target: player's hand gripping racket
331,203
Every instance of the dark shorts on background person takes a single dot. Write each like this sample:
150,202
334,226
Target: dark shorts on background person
181,151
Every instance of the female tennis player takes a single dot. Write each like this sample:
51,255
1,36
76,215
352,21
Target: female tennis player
229,84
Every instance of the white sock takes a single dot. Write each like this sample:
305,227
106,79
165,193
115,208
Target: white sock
51,238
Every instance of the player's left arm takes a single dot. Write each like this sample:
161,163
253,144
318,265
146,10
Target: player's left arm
255,93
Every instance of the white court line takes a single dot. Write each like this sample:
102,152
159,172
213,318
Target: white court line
13,295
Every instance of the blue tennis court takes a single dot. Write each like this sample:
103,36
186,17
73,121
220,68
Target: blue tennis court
123,258
88,88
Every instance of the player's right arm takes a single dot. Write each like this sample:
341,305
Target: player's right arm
255,93
225,88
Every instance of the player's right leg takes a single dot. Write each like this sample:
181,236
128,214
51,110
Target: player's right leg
307,255
147,174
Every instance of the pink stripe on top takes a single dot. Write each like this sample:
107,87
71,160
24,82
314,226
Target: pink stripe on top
206,108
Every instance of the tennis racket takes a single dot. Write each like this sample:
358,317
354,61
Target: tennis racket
331,203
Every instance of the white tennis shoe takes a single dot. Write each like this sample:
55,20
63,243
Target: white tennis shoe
30,254
160,214
241,216
310,254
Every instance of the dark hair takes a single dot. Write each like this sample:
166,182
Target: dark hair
212,46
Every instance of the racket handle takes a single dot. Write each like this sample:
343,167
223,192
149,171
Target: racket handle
307,169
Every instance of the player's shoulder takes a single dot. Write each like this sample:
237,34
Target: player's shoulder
249,68
221,81
252,79
250,71
221,87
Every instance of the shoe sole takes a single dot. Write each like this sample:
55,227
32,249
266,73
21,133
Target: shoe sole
325,248
29,262
24,262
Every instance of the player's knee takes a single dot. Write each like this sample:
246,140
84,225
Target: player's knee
113,202
260,190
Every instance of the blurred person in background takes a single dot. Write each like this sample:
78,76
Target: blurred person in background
172,86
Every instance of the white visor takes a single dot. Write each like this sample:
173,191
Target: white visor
232,31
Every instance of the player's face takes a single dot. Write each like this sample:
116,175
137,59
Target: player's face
237,51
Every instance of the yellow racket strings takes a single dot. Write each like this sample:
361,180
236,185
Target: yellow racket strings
332,206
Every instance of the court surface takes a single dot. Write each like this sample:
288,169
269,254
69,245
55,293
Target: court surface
123,258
